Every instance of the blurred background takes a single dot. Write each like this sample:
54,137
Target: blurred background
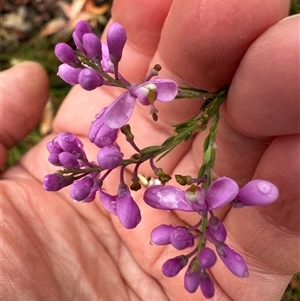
29,30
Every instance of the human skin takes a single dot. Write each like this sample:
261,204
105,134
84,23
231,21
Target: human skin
56,249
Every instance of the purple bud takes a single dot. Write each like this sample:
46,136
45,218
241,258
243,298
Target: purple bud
207,258
221,192
174,265
68,160
55,182
68,74
116,39
53,147
167,197
181,238
66,54
207,286
92,46
258,193
80,189
127,210
109,157
54,160
192,276
161,234
70,143
81,28
100,134
216,230
233,261
89,79
109,202
106,63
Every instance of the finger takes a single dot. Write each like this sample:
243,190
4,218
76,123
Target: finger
24,89
263,99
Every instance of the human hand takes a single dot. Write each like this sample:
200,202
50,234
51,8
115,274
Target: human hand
54,249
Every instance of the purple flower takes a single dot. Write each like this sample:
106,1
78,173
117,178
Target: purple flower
233,261
207,286
167,197
81,28
116,39
215,230
221,192
120,110
80,189
100,133
106,63
174,265
92,46
108,201
66,54
181,238
127,210
196,197
54,160
207,258
68,74
161,234
68,160
56,181
258,193
89,79
109,157
70,143
192,276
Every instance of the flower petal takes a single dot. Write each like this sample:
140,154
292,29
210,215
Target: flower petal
167,197
166,89
119,112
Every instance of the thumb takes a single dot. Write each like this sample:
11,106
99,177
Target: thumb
24,92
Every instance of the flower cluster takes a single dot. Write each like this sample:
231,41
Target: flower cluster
221,192
95,64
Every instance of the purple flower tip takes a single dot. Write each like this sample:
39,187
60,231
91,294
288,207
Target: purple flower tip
174,265
68,160
109,157
258,193
89,79
55,182
207,258
161,234
65,54
68,74
207,286
221,192
109,202
80,189
192,277
233,261
116,39
181,238
92,46
127,210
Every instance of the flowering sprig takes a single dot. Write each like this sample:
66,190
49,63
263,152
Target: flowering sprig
95,64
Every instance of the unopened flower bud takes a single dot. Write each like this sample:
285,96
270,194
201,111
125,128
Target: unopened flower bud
68,74
89,79
127,210
216,230
92,46
174,265
54,160
55,182
100,134
192,276
116,39
207,286
108,201
258,193
70,143
109,157
181,238
233,261
207,258
66,54
161,234
80,189
68,160
81,28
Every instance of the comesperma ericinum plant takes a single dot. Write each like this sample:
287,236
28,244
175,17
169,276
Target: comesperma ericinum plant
95,64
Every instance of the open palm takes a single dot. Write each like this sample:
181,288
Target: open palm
56,249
